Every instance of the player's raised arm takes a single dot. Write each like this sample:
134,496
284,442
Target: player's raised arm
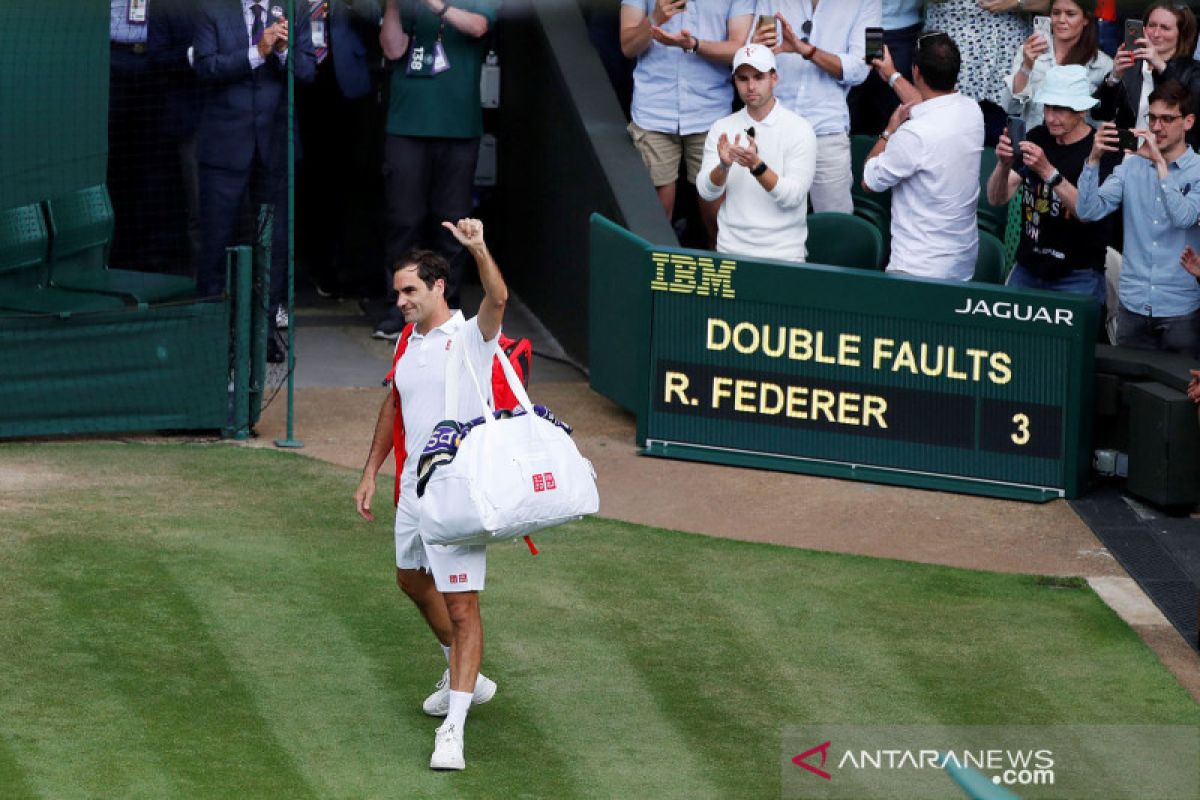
469,233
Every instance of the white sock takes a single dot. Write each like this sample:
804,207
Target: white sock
460,703
446,650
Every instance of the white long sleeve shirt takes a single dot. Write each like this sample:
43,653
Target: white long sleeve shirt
931,164
753,221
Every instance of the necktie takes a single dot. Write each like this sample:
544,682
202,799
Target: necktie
320,17
256,30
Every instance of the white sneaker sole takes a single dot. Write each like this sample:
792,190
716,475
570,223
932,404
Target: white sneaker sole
447,763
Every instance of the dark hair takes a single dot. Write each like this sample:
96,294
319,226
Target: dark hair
1175,94
1185,20
939,61
430,266
1084,50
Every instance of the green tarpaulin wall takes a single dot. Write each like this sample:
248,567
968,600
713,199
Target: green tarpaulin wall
53,98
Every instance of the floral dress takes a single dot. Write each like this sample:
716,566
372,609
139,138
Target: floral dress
986,41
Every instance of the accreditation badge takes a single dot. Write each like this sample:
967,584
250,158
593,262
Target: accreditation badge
318,33
440,62
137,12
420,62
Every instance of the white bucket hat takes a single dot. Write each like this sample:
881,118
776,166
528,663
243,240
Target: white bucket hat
1066,86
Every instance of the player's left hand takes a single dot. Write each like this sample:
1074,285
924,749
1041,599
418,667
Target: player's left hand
1193,389
362,497
468,232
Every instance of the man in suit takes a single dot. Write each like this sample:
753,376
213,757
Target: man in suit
340,194
241,54
171,26
138,152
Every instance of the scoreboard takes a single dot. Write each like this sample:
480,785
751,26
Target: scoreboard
857,374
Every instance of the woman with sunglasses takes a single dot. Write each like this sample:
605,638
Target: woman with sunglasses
1165,53
987,32
1075,39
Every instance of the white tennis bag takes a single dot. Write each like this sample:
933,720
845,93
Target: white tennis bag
510,477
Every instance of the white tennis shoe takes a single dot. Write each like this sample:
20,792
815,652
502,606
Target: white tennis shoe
447,748
438,703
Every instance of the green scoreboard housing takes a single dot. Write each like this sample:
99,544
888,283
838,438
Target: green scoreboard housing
847,373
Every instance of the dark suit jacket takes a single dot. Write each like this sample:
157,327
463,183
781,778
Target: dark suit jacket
1120,103
170,26
245,110
351,26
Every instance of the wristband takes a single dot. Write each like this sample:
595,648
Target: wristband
1054,180
695,48
759,170
892,80
885,135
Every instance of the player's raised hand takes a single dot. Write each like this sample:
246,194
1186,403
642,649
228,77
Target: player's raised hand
468,232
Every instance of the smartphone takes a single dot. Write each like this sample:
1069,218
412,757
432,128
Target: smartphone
1127,139
750,131
1045,27
766,23
1016,135
874,44
1134,30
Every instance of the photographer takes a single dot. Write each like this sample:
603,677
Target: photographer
1159,197
821,56
1057,251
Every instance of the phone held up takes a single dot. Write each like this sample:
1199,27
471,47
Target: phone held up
874,44
1134,30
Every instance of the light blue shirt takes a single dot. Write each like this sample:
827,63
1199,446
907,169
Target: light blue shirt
684,93
838,28
1160,220
120,29
899,14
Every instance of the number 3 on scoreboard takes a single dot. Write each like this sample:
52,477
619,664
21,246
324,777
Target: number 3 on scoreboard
1021,436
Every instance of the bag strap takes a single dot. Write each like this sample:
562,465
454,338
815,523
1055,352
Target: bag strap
454,365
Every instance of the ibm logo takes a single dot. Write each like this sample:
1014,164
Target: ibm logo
675,272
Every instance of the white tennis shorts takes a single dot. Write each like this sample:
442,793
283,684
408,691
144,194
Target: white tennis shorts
455,568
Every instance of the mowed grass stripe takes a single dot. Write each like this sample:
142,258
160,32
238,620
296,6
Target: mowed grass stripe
340,719
183,724
578,683
13,779
632,661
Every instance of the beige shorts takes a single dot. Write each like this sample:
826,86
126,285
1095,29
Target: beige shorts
662,151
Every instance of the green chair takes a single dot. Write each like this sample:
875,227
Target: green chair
844,240
81,227
990,263
882,223
24,244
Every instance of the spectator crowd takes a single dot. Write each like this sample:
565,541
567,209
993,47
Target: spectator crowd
1088,117
749,111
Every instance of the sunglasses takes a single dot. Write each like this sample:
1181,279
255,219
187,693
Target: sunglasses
806,29
931,35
